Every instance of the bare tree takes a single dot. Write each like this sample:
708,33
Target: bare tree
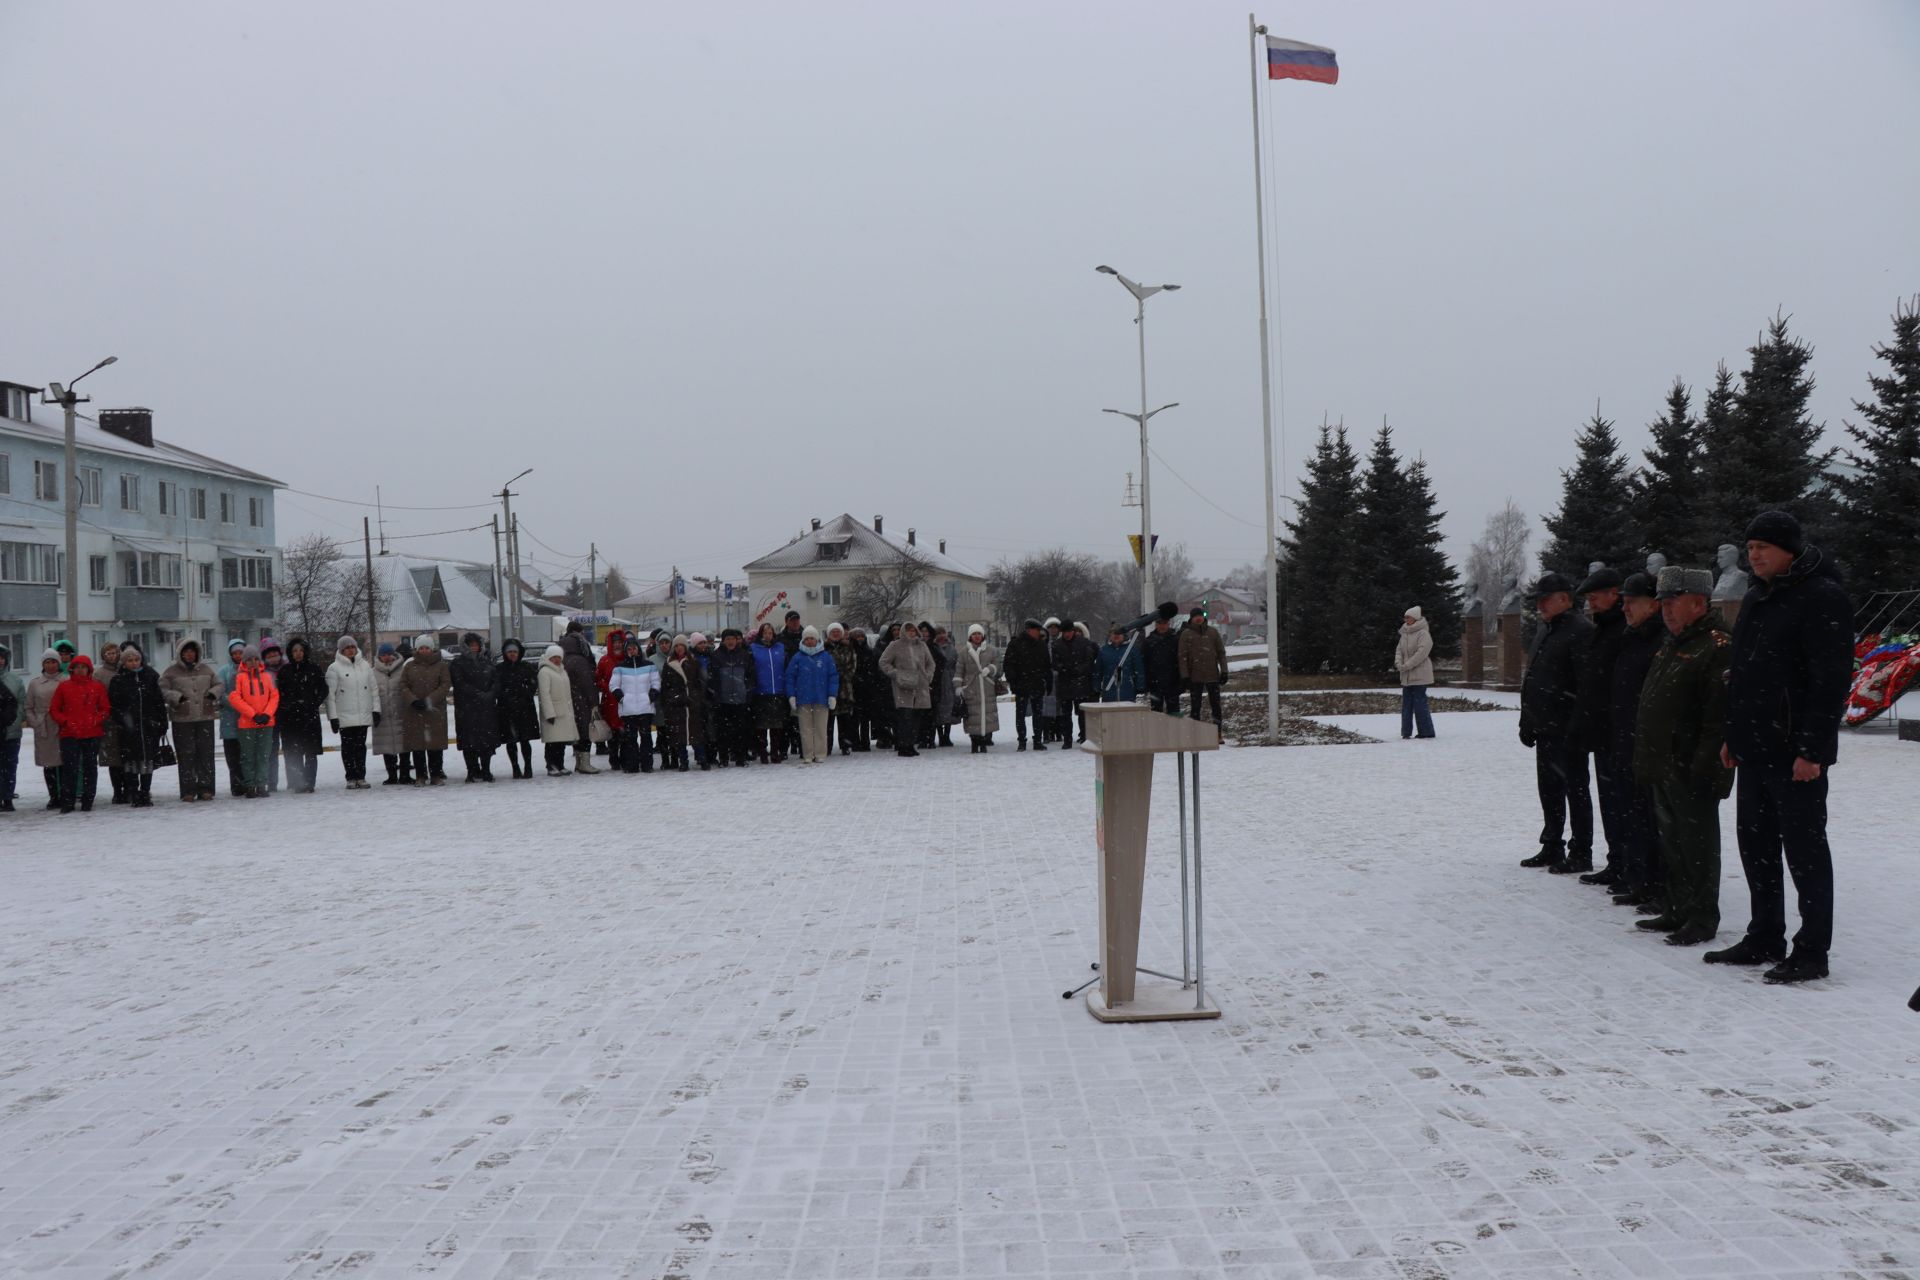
1172,580
1498,557
323,594
1058,583
880,594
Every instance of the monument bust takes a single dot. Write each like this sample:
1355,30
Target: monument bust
1731,582
1655,563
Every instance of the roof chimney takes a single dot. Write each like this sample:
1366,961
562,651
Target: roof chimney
133,425
910,533
943,546
879,525
816,524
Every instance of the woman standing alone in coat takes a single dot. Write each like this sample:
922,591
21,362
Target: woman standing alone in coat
1413,658
975,682
353,707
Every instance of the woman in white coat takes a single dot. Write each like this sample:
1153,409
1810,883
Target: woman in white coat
975,679
1413,659
558,728
352,707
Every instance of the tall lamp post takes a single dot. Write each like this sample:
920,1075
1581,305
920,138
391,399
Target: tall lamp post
1141,292
513,554
68,401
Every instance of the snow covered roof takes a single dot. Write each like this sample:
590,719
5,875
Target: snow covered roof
48,425
847,541
659,593
425,593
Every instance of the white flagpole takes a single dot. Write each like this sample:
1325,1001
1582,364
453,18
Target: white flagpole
1254,32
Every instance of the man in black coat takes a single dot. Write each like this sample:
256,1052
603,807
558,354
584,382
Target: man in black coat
1641,877
1552,695
1792,662
1076,668
1602,593
730,694
303,692
1160,655
1027,670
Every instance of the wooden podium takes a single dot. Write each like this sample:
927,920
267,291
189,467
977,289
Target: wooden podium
1123,738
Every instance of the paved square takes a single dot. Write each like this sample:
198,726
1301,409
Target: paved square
801,1022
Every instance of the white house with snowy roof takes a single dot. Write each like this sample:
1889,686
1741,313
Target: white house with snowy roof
812,574
173,544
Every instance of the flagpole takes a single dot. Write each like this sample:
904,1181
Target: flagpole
1254,32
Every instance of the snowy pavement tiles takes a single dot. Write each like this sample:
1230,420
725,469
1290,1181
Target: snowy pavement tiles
806,1022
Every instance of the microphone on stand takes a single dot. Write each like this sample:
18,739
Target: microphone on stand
1168,610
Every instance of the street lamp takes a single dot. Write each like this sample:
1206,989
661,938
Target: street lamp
1141,292
66,398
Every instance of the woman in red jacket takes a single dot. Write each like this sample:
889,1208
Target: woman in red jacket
79,707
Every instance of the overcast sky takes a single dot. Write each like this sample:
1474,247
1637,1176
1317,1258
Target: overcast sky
712,270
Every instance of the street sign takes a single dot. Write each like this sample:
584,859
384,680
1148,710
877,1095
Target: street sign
680,588
729,593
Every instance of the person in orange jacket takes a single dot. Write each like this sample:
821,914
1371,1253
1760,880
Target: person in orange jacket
255,699
80,708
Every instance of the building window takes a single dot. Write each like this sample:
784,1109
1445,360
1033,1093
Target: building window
198,504
256,511
246,573
6,473
149,569
830,596
129,492
206,577
89,486
33,563
97,573
46,481
19,404
16,643
169,498
226,507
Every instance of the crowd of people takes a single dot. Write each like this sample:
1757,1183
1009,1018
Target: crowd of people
660,701
1675,714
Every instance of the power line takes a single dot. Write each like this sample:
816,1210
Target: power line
1251,524
564,555
391,506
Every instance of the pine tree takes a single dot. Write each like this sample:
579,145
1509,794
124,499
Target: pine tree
1769,457
1432,581
1666,492
1595,519
1318,572
1382,591
1717,461
1878,525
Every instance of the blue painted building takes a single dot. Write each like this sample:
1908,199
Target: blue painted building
173,543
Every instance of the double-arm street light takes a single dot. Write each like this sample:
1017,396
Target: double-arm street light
1141,292
66,398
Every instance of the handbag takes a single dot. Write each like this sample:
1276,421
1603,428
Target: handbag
1000,689
598,730
163,757
1049,706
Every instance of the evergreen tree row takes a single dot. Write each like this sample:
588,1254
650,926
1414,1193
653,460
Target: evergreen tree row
1363,546
1752,448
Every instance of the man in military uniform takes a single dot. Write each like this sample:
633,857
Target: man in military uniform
1615,790
1682,717
1551,701
1642,880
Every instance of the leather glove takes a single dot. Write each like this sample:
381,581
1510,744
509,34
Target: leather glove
653,695
376,719
1526,737
832,703
334,725
419,704
619,695
793,704
262,718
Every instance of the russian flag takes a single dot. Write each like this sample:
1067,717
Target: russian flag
1296,60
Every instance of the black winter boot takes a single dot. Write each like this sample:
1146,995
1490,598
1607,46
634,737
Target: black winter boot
1544,858
1797,968
1748,952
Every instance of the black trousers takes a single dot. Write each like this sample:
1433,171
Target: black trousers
302,745
429,764
79,770
556,756
730,732
632,747
1560,770
520,757
1212,693
906,726
193,744
1027,705
1775,816
230,747
1641,866
353,752
851,729
1616,802
1689,818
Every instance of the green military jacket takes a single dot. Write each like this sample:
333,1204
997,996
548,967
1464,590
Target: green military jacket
1683,708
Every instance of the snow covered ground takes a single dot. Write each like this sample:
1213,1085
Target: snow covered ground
807,1022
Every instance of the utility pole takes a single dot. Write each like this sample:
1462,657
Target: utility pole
68,402
499,583
373,621
593,562
513,543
